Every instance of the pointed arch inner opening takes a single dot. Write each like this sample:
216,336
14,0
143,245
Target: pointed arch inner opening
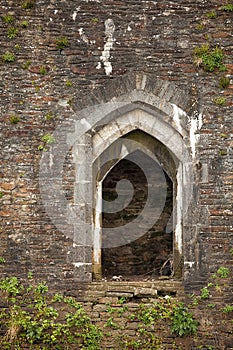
135,215
141,258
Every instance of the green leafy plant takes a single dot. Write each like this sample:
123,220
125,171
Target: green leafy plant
227,7
47,140
62,43
111,323
223,272
1,194
30,275
8,19
68,83
11,285
224,82
122,300
227,309
14,119
223,152
26,64
205,294
2,260
224,136
28,4
8,57
12,33
24,24
49,116
209,59
200,26
220,100
231,251
147,341
110,309
122,310
211,305
183,322
42,70
212,14
35,319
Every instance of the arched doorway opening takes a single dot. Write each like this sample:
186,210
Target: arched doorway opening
144,257
136,238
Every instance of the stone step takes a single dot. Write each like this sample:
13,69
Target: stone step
132,289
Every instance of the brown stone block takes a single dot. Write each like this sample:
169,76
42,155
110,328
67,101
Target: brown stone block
6,213
132,325
7,186
229,68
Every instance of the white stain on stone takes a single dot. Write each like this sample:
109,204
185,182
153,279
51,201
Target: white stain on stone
178,227
85,123
78,264
51,163
195,124
189,263
63,103
104,58
98,65
83,36
178,113
55,12
74,15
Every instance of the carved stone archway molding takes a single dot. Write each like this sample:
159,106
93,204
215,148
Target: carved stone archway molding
157,108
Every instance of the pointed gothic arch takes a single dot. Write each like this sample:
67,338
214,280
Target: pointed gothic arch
160,131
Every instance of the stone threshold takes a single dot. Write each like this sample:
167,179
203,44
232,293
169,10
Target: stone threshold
132,290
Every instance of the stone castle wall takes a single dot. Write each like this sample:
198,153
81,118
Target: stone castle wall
48,81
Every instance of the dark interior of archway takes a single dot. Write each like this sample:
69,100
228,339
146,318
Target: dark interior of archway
143,257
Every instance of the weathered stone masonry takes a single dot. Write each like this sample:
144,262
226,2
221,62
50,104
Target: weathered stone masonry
129,62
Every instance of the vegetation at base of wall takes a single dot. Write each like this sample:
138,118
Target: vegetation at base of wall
228,309
33,318
205,294
209,59
222,272
8,57
182,322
